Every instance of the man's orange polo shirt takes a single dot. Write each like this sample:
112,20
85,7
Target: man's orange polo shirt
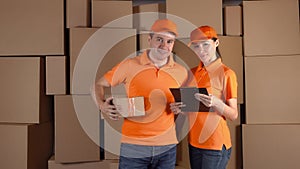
209,130
142,78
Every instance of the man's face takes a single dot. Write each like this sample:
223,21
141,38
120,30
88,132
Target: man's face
161,44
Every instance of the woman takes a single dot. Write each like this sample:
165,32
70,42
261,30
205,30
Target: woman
209,136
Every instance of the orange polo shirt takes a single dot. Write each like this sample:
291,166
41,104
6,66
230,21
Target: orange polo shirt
209,130
142,78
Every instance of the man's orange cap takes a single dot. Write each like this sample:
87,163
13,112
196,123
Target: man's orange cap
203,33
164,25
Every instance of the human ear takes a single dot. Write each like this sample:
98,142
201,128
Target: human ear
217,42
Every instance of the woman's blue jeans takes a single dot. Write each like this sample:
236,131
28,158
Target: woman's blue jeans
209,159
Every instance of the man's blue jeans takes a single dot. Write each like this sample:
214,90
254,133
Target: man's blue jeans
147,157
208,159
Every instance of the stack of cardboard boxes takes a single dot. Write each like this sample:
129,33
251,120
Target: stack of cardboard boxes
52,52
271,49
30,31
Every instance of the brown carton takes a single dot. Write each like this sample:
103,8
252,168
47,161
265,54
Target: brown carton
267,31
78,13
55,75
104,164
231,49
95,51
204,12
112,138
271,85
146,14
23,96
77,129
31,27
107,12
233,20
26,145
271,146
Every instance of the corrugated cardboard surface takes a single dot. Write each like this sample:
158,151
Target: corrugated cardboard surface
204,12
235,161
78,38
271,89
146,14
271,146
112,137
55,75
26,146
185,55
23,98
233,20
72,143
31,27
98,52
231,49
78,13
104,12
83,165
271,27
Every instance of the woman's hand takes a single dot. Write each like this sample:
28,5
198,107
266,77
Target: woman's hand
211,101
176,107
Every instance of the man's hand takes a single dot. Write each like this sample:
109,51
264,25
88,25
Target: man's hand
110,109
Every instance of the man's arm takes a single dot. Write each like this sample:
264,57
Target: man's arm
103,104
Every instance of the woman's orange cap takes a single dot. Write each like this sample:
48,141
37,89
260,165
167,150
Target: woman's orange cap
164,25
203,33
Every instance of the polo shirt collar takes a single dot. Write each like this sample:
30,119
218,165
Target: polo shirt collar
146,61
212,67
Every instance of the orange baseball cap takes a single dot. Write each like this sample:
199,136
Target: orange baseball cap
164,25
203,33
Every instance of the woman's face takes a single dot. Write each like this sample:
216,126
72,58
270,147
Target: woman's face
205,50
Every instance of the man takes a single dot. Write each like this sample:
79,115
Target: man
148,142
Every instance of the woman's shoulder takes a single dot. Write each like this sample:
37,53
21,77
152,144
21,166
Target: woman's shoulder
228,70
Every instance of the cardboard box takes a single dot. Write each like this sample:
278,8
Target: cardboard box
267,31
270,89
31,27
77,129
23,96
108,13
231,49
104,164
130,107
183,158
233,20
112,138
95,51
197,12
179,167
184,54
146,14
26,145
271,146
235,128
78,13
55,75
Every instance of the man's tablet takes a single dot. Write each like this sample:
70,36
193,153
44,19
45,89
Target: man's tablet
186,95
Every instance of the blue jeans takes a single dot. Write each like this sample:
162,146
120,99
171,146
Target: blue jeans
147,157
209,159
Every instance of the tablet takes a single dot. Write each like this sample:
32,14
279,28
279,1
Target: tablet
186,96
